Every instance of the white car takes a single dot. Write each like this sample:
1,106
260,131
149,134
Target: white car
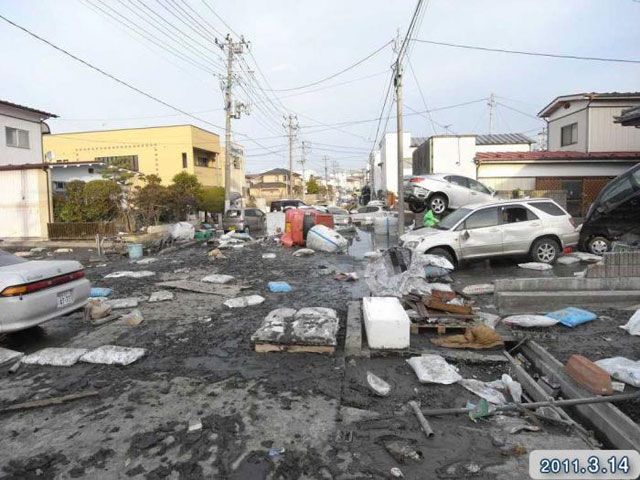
34,291
367,213
539,228
340,216
443,191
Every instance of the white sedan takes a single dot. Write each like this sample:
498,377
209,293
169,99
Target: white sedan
34,291
441,191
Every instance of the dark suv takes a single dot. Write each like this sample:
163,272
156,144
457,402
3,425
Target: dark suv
282,205
614,215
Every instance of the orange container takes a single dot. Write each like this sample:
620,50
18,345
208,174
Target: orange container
313,218
294,225
589,375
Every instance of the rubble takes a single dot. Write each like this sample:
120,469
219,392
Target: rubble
202,287
133,318
433,369
113,355
633,325
529,321
126,273
118,303
303,252
377,385
161,296
623,369
541,267
219,279
146,261
55,356
483,390
241,302
480,289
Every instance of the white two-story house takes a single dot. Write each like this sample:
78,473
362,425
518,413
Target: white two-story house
586,149
25,202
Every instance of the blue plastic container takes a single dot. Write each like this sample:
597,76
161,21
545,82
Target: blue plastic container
100,292
279,287
135,250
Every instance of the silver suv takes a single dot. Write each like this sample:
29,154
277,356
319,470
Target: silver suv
538,227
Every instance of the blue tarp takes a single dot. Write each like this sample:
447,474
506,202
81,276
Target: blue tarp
100,292
572,316
279,287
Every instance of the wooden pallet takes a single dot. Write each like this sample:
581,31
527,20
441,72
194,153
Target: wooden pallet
274,347
439,328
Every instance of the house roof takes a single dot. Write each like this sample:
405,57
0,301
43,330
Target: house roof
554,157
269,185
629,117
28,109
558,101
72,164
24,166
503,139
417,141
279,171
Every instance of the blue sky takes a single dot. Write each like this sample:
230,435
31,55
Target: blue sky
299,42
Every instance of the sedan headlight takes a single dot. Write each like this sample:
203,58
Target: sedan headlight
411,245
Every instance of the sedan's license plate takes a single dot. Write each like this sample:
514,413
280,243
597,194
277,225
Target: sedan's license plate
65,298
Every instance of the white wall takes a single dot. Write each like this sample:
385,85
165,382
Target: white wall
74,172
577,169
555,131
510,147
607,136
455,154
389,159
16,118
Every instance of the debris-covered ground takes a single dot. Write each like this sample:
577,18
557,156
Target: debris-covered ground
202,404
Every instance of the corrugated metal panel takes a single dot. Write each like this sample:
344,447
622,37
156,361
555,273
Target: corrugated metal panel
502,139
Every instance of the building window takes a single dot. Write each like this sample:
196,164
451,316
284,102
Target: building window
569,134
17,138
128,162
201,161
90,170
59,185
184,160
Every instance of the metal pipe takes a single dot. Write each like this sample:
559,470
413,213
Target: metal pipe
426,428
552,403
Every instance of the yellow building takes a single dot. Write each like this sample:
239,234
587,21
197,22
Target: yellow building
162,151
274,184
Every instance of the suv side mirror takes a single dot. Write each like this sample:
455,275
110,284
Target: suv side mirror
465,235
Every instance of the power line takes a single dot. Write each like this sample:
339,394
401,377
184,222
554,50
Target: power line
521,112
106,74
424,102
521,52
350,67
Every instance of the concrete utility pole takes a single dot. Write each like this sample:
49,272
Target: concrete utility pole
292,127
231,48
326,175
398,85
492,104
303,160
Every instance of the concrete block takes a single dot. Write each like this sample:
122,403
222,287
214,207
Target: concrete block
566,283
353,337
386,323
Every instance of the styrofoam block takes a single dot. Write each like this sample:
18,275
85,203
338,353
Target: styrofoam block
386,323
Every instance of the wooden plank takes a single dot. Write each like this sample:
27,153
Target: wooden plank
447,307
202,287
46,402
353,337
272,347
619,430
439,328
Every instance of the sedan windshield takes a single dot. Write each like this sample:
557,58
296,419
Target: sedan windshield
450,221
7,259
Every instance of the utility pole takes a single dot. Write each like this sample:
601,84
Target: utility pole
326,175
303,160
232,48
492,104
291,124
398,85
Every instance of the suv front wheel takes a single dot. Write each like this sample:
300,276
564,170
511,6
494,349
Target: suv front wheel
545,250
598,245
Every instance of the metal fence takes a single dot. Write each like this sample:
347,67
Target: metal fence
80,230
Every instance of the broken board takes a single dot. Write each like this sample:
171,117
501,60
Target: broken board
272,347
202,287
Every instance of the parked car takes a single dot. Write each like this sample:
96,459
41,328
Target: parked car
340,216
614,214
367,213
248,220
34,291
439,192
539,228
282,205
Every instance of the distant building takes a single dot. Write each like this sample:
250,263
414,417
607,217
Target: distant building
456,153
63,173
25,202
273,184
162,151
386,162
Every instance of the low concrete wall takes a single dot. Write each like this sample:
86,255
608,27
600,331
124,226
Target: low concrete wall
566,284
